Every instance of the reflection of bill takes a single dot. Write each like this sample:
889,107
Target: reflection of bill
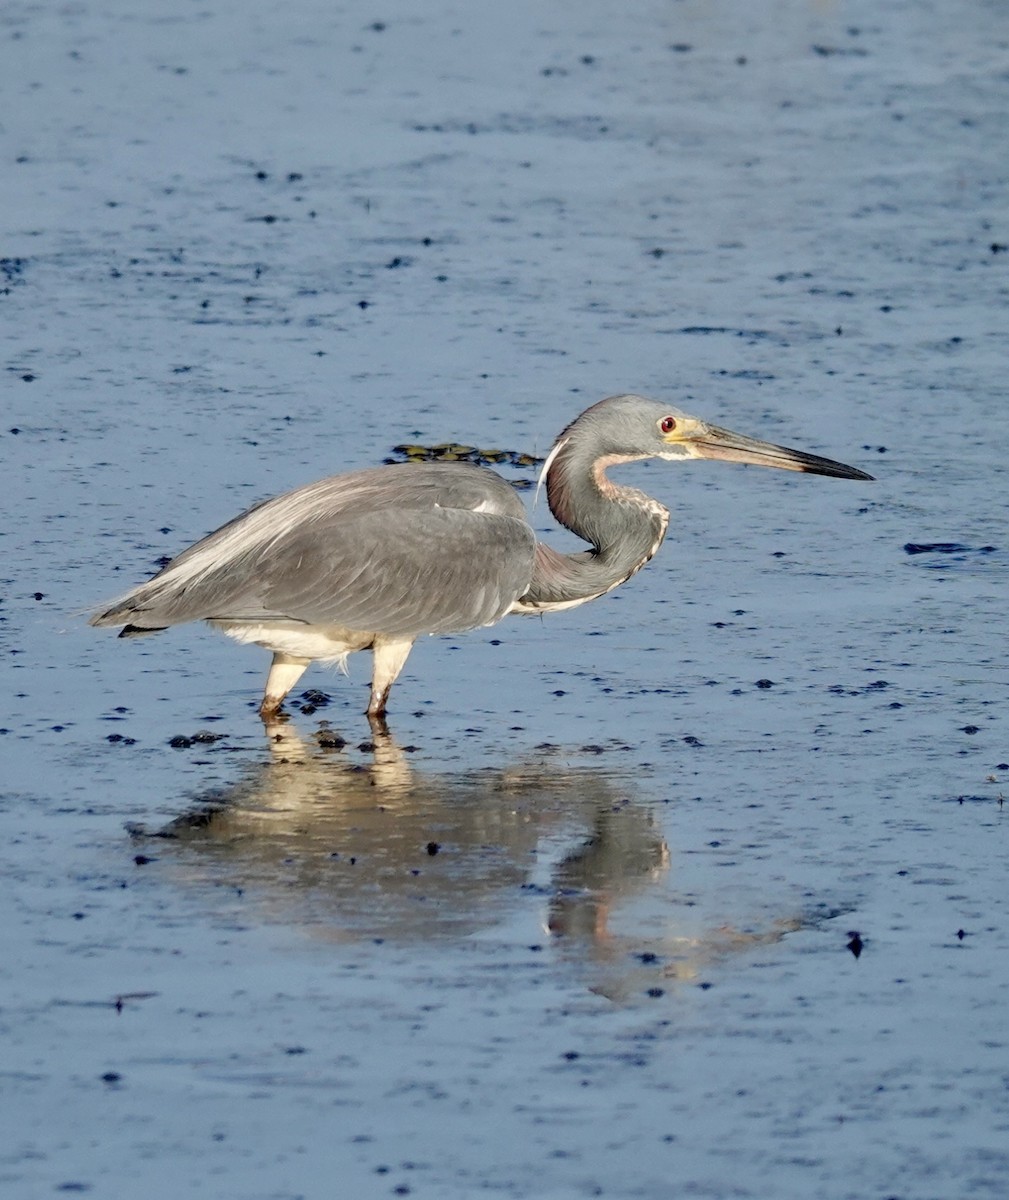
585,907
356,847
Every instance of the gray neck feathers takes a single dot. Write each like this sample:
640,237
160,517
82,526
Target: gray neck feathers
623,526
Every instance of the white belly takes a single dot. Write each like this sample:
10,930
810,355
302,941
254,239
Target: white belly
323,643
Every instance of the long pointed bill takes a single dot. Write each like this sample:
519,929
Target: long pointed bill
709,441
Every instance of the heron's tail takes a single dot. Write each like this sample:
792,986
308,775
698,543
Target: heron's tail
132,612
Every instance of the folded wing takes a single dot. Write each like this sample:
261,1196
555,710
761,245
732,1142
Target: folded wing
419,548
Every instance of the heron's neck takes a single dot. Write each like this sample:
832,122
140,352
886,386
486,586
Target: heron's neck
623,526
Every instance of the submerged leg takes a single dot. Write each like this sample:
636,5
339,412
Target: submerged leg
285,671
390,655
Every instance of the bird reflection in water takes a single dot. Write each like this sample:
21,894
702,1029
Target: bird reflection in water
358,845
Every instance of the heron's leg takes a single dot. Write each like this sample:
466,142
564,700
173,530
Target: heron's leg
285,671
390,655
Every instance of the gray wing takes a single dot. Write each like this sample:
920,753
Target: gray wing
400,550
403,573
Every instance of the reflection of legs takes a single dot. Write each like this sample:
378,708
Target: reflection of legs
390,655
286,745
285,671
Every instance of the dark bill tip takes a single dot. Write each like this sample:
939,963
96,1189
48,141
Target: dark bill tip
726,446
814,465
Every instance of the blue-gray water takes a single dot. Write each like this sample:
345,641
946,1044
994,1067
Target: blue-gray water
583,928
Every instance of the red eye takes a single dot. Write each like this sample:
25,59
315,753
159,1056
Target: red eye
667,424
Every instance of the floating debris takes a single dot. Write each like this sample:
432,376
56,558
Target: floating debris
456,452
946,548
946,556
204,737
329,739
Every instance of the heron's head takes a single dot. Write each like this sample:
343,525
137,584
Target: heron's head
632,427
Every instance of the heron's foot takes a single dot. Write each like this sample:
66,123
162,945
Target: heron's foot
379,725
272,710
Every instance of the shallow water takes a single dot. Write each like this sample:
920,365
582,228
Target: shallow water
583,925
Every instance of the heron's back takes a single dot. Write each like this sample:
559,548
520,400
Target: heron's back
404,550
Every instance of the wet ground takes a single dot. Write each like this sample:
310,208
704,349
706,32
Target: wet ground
698,890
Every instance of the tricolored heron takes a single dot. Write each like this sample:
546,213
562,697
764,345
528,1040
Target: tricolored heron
375,558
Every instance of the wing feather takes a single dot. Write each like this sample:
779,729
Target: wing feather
414,572
400,550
